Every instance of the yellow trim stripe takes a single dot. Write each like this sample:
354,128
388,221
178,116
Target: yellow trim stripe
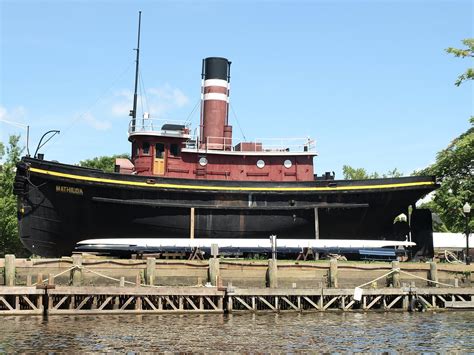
227,188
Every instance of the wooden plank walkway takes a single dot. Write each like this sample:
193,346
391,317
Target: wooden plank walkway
20,300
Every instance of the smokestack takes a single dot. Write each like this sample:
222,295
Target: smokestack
215,131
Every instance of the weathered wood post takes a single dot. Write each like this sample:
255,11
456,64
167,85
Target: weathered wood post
395,274
214,267
76,273
316,229
150,271
122,281
10,270
433,275
50,279
272,273
191,223
333,273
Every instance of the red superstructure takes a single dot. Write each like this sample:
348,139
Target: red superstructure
168,149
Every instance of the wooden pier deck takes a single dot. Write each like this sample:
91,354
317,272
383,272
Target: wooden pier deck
21,300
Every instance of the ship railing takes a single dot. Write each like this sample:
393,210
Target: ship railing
258,145
161,127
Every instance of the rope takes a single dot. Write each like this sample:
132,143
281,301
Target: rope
448,254
422,278
113,278
54,276
406,273
378,278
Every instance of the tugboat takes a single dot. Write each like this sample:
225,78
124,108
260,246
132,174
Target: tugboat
180,185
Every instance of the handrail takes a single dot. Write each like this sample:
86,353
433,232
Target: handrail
154,125
262,144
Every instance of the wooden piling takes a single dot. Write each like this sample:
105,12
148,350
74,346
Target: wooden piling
395,274
122,281
10,270
333,273
214,271
150,271
50,279
76,273
272,274
191,223
433,275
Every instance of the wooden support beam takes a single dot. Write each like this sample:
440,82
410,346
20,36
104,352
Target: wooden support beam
214,271
191,223
263,300
333,273
396,274
76,273
391,304
10,270
243,303
433,275
331,301
272,274
150,271
307,299
291,304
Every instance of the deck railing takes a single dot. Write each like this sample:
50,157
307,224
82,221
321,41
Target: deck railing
158,127
262,144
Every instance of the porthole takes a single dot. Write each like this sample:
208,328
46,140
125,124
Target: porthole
203,161
287,163
260,164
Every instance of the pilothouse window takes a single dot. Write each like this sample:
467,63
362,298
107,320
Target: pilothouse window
174,150
146,148
160,150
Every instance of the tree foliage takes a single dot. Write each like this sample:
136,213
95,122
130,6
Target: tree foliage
351,173
464,53
9,239
454,168
105,163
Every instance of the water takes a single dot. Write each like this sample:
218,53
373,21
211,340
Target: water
326,332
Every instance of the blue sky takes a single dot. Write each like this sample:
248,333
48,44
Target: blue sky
369,80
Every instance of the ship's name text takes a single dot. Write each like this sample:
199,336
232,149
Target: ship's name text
69,190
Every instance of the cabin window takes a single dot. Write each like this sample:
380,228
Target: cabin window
174,150
146,148
160,150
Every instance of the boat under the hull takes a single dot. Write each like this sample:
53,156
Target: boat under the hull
60,205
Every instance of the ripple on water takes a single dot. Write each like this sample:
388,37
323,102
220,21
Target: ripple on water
328,332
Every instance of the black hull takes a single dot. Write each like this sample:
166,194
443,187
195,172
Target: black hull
60,205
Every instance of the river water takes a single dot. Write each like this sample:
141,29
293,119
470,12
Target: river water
288,332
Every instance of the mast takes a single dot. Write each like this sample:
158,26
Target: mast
133,112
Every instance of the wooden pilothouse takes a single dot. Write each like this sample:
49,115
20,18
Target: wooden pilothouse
168,149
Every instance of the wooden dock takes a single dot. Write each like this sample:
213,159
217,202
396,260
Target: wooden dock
79,285
54,300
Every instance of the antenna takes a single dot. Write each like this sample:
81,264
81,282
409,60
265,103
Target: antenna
133,112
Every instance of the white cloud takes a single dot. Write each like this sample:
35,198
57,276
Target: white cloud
95,123
15,115
158,102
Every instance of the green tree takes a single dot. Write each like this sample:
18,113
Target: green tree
9,239
351,173
463,53
106,163
454,168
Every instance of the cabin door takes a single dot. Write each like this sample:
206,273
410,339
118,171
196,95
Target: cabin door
159,161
